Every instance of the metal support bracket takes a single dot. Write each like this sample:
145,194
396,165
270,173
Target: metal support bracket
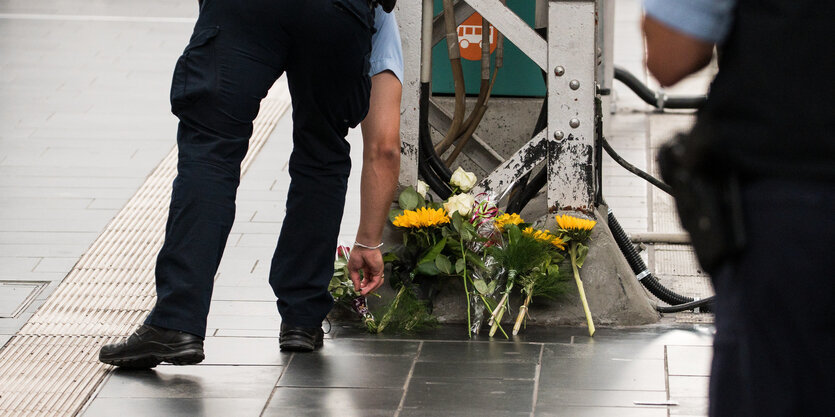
520,163
572,55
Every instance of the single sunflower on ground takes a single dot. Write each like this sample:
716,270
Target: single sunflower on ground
575,228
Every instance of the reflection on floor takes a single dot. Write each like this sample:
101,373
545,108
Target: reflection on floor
546,372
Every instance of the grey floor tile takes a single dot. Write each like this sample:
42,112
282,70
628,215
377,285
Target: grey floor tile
243,351
603,412
282,412
287,401
689,360
552,399
174,407
690,406
244,322
254,382
416,412
688,386
14,264
370,348
237,307
469,395
608,349
480,370
243,293
56,265
498,352
244,333
314,370
603,374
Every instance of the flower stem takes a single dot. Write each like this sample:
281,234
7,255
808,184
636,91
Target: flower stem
467,293
487,304
573,252
523,311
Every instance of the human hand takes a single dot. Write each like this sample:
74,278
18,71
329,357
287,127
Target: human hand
370,262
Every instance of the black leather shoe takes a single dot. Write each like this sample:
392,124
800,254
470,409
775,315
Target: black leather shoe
149,346
300,339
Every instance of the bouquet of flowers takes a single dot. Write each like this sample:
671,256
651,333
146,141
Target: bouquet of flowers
466,237
342,289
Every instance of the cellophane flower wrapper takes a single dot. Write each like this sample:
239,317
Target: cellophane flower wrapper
483,214
491,275
342,289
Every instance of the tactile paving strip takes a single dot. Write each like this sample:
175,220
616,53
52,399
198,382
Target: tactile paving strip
50,368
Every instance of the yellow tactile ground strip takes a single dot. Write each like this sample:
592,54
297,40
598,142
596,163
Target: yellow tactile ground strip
50,367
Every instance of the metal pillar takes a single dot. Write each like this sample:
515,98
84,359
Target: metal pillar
572,50
571,61
408,13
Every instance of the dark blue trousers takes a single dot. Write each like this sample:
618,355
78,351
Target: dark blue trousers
237,51
774,351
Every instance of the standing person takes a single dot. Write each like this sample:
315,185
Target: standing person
237,51
764,142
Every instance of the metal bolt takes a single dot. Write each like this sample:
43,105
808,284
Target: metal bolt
558,135
574,84
574,123
559,71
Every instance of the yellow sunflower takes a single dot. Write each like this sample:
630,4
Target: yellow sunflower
505,219
574,227
559,243
540,235
422,217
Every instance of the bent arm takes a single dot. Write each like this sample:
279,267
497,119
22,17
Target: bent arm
380,156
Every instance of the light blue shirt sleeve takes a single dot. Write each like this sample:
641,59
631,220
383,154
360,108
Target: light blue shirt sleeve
386,51
708,20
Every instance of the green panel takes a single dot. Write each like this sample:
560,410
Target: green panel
519,76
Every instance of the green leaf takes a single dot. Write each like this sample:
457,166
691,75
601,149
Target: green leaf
427,268
553,270
433,252
582,251
473,259
514,234
460,265
390,257
481,286
409,199
443,264
491,288
457,221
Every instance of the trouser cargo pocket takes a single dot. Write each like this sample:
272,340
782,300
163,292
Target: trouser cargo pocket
195,74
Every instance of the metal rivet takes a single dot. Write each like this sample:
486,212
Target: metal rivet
574,123
559,71
574,84
558,135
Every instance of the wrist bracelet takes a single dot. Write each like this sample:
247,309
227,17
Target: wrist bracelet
368,247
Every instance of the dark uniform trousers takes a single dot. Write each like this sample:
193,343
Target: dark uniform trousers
237,51
775,316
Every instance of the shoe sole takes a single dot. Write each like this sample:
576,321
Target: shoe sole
299,346
148,361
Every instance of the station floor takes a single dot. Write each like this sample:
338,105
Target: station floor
85,143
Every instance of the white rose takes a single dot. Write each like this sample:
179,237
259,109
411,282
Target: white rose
462,203
422,188
464,180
